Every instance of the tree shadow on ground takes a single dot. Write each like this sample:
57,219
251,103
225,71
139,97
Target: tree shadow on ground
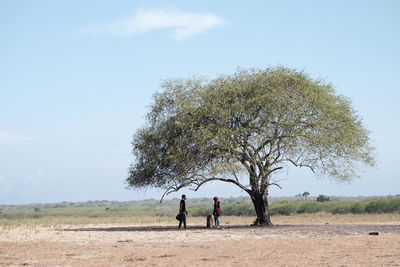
155,228
327,229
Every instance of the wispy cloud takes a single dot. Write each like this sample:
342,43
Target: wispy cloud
184,24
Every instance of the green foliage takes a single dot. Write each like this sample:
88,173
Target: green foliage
239,209
357,208
309,207
283,208
337,207
322,198
305,195
286,207
254,122
383,206
342,209
201,210
231,209
196,207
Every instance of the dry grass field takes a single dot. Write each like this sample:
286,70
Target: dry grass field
301,240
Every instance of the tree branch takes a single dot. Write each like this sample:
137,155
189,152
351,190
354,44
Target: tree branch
170,190
275,185
275,169
223,180
299,164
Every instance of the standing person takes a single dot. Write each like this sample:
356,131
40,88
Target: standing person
216,212
182,212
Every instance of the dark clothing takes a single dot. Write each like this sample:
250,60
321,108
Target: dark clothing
182,206
217,209
183,212
183,220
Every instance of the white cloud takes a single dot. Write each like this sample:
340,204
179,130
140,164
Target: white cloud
183,24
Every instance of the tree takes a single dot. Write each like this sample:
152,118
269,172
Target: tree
305,195
322,198
245,128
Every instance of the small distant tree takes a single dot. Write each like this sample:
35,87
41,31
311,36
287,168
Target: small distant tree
305,195
322,198
243,129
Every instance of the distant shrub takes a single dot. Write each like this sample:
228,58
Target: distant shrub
234,209
201,210
342,209
357,208
383,206
283,208
393,205
238,209
200,207
376,206
309,207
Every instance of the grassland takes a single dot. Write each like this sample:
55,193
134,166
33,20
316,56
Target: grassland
151,211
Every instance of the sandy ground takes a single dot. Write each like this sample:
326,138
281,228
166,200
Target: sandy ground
337,244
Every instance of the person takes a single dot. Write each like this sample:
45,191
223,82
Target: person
216,212
182,212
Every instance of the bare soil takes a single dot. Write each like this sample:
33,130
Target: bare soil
234,244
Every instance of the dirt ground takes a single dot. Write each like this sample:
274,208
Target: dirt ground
235,244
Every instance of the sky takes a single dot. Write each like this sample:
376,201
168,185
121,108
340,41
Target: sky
77,79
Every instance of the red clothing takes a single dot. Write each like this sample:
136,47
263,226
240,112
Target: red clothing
217,209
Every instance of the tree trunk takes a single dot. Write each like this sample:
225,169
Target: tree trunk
260,202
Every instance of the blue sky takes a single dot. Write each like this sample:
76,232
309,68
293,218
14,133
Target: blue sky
77,77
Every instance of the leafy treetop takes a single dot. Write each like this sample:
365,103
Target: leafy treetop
254,122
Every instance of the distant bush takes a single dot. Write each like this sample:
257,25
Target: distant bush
200,207
337,207
383,206
283,208
200,210
309,207
393,205
357,208
239,209
342,209
233,209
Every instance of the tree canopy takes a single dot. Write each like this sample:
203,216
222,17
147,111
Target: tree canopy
251,124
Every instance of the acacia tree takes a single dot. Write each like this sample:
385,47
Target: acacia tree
305,195
243,129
